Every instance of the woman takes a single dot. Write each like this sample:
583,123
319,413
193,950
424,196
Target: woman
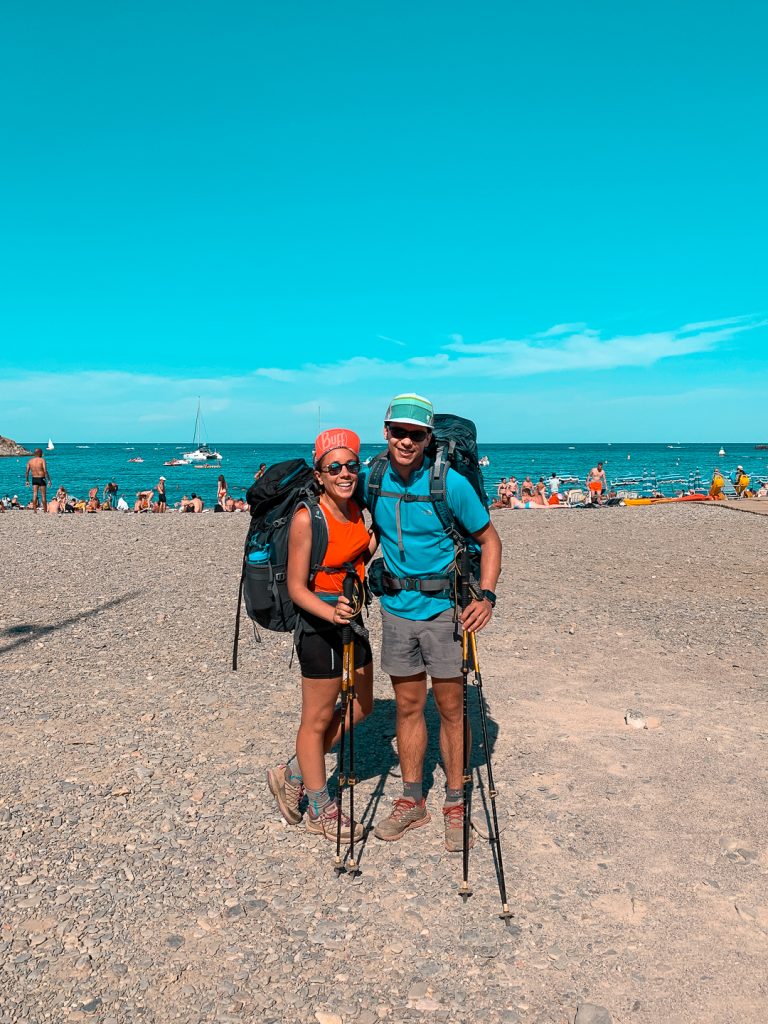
323,612
221,491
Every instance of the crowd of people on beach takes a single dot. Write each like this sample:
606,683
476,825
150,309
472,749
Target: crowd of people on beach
108,498
511,493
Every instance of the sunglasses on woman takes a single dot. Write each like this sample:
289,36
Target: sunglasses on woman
400,433
335,468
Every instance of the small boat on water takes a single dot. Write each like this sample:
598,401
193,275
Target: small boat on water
721,452
137,459
484,461
177,462
50,445
202,452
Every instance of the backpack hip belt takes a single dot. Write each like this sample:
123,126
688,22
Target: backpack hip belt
432,585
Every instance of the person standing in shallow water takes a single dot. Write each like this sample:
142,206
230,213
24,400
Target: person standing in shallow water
420,635
38,470
323,612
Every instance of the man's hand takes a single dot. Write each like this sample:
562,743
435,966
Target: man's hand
476,615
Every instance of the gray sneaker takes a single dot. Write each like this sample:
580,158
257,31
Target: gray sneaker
287,794
453,815
405,814
326,824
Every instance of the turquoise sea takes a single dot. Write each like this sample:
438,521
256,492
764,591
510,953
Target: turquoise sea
82,466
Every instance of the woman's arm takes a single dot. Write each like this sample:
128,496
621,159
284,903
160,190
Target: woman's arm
299,555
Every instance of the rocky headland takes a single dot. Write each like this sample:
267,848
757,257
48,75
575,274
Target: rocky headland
10,449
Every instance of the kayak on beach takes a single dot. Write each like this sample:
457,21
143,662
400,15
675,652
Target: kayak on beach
666,501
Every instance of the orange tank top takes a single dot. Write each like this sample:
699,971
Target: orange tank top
347,542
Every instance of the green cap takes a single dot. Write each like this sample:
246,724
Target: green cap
410,409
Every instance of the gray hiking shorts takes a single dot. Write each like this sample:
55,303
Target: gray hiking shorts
408,647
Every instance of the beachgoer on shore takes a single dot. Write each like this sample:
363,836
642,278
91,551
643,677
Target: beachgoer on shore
323,611
38,470
143,501
717,485
420,636
162,498
596,483
221,492
191,504
109,495
740,480
554,484
93,504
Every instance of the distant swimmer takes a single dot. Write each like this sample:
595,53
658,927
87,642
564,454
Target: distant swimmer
37,469
596,482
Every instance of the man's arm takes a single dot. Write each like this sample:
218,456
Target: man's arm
478,614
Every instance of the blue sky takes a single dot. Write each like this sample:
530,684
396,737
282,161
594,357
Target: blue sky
551,217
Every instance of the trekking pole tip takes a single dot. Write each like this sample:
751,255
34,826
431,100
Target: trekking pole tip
506,914
464,891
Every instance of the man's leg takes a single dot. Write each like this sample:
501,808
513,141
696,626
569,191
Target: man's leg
34,497
410,699
43,498
410,810
449,699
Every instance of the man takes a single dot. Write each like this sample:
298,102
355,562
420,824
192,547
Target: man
162,499
554,484
37,468
596,483
419,632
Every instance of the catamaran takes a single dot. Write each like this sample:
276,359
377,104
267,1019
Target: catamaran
202,451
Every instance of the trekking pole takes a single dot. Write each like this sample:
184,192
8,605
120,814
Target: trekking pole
506,913
237,618
347,688
469,650
350,586
464,891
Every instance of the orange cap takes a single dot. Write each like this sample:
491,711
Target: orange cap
336,438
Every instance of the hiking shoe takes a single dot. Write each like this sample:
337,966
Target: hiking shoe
287,793
405,814
453,815
325,824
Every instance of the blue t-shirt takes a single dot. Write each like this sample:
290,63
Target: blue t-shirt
427,550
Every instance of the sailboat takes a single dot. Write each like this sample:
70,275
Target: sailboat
50,445
202,451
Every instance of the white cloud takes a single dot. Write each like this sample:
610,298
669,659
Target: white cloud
395,341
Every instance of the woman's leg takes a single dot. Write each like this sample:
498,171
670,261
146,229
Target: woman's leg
360,709
318,712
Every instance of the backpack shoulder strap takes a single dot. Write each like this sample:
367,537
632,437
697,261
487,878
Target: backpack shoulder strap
438,493
319,532
373,482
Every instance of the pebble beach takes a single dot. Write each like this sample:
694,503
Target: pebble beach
146,874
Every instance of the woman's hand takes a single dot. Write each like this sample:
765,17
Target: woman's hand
342,612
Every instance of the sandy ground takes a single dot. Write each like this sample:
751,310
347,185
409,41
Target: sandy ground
145,874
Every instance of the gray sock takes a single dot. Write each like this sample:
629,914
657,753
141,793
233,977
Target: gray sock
318,799
292,770
453,796
412,791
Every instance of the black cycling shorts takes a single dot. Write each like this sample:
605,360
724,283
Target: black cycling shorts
321,651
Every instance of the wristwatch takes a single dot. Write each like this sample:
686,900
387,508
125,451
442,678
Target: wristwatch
489,596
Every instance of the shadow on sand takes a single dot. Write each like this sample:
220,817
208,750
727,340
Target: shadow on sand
25,633
376,758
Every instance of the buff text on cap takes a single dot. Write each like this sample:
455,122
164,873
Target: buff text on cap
410,409
336,438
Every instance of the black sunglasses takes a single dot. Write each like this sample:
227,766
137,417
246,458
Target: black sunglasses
400,433
335,468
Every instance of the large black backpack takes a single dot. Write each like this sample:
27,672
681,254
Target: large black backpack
453,446
274,500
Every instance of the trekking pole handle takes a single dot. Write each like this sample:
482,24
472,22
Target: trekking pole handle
348,589
464,571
